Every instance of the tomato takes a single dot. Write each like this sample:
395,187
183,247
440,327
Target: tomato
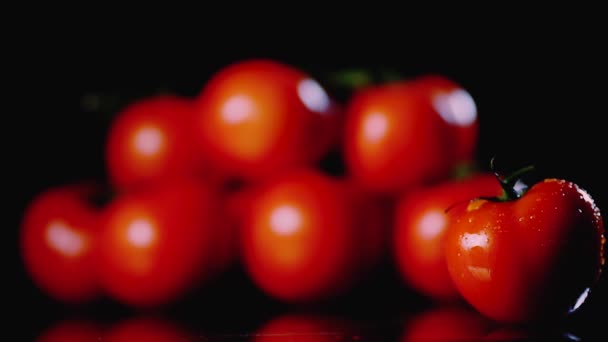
458,112
257,118
148,329
71,331
150,139
449,323
420,225
394,138
305,238
160,242
58,242
305,328
530,258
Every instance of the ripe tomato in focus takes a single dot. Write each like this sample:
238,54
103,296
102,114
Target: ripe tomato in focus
71,331
58,243
395,139
420,226
148,329
160,242
151,139
527,259
257,118
306,237
450,323
458,112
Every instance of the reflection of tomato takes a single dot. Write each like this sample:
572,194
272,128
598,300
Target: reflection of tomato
305,236
420,230
149,330
451,323
71,331
530,258
259,117
395,139
150,139
302,328
157,243
58,243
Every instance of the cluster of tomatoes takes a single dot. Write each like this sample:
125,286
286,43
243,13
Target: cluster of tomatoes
234,175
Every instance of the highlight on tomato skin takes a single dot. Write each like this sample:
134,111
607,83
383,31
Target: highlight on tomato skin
530,259
58,242
72,331
419,232
160,243
304,238
151,139
256,118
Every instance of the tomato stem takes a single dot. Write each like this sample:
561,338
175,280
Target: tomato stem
512,186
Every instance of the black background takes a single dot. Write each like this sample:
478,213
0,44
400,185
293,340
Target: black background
541,98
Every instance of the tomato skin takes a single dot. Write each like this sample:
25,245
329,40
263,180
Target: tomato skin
151,139
302,241
446,323
257,118
158,243
304,328
529,259
420,225
395,137
58,243
71,331
148,329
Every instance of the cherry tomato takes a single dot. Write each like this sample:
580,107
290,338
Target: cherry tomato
530,258
394,138
148,329
150,139
450,323
304,239
71,331
160,242
458,112
257,118
58,244
420,226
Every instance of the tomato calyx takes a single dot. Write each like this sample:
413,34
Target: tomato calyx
512,185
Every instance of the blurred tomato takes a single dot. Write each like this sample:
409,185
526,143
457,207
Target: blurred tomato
420,226
71,331
148,329
57,238
306,237
256,118
395,139
151,139
159,242
305,328
449,323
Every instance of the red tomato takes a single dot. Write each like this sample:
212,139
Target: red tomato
150,139
256,118
304,237
71,331
58,236
458,112
527,259
160,242
149,330
395,139
420,226
451,323
303,328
